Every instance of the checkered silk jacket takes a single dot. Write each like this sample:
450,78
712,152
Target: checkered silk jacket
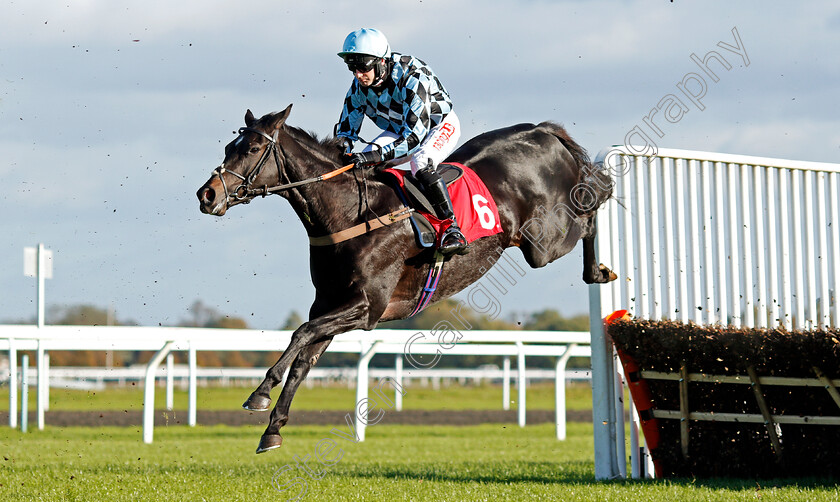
409,104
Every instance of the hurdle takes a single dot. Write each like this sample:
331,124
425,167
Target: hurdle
714,239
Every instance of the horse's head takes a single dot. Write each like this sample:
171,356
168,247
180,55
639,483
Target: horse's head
253,161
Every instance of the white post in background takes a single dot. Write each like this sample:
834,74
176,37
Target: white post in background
361,405
13,384
191,407
149,392
506,384
398,376
24,393
40,357
109,321
170,381
47,380
520,373
38,263
560,391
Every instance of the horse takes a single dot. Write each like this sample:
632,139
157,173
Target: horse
546,190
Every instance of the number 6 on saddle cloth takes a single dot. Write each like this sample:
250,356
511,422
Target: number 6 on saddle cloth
475,209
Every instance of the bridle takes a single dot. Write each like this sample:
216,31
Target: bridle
244,193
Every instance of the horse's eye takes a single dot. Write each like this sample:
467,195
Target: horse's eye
254,149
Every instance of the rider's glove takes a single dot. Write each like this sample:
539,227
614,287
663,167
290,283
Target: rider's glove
345,144
364,159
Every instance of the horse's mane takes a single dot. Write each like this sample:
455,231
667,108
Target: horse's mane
327,147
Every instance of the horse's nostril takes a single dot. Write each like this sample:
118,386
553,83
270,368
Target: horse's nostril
208,195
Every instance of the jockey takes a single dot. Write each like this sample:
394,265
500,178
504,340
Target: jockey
405,99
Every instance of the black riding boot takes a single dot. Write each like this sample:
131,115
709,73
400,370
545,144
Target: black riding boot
452,241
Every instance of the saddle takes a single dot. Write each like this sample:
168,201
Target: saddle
474,206
412,196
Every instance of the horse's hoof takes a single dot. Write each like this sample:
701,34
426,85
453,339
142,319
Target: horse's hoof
269,442
606,273
256,402
601,276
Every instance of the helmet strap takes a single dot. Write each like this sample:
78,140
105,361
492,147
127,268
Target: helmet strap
382,69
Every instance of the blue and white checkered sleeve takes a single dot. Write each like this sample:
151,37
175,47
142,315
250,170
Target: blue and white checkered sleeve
416,118
352,114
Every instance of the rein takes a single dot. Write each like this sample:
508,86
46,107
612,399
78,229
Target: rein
244,193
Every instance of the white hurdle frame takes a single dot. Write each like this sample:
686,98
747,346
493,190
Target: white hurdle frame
709,238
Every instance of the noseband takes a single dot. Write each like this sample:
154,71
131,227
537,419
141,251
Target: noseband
244,193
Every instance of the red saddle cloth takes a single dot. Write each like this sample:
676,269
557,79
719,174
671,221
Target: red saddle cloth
475,208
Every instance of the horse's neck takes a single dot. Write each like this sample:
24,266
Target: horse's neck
334,204
328,206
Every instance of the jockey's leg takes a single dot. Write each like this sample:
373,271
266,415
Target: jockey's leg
438,144
384,138
452,240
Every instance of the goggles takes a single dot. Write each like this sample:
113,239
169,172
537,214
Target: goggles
360,63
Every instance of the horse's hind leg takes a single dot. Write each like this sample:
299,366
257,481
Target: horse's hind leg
594,272
308,333
348,317
260,399
307,358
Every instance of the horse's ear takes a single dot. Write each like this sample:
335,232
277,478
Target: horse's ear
281,117
249,118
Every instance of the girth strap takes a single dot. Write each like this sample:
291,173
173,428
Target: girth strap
361,228
431,284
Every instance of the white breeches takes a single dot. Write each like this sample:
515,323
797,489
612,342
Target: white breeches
439,143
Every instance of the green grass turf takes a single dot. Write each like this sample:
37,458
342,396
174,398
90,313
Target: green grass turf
486,462
456,397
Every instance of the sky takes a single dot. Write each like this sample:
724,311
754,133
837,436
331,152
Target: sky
112,114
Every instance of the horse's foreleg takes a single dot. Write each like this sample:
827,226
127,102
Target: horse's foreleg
307,358
594,272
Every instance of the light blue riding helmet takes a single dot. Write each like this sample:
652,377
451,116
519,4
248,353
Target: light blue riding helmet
366,41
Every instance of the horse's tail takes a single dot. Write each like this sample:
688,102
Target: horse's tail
596,184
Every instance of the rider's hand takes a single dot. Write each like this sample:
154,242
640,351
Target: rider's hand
364,159
345,144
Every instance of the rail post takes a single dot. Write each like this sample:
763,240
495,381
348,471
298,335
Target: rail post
398,376
13,384
191,411
47,381
520,370
170,366
149,392
24,393
560,391
40,359
506,383
360,407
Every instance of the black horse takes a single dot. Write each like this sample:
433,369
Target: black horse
546,190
